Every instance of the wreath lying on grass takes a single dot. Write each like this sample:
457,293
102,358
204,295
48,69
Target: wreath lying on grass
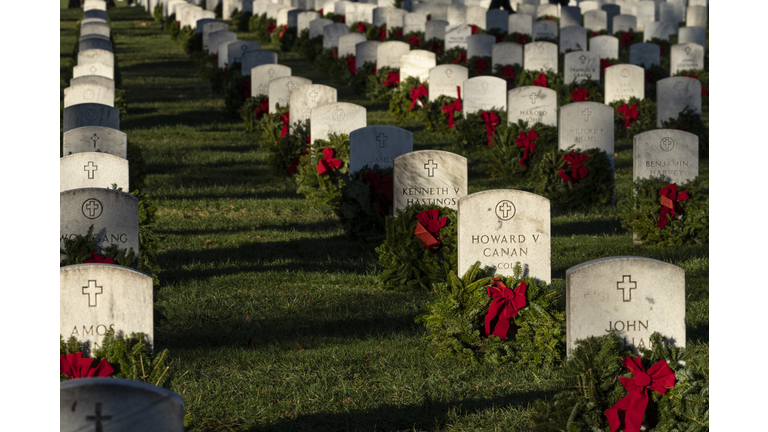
663,214
480,319
283,147
324,169
574,179
253,110
365,202
517,149
420,247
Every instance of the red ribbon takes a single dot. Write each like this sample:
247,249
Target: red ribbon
480,65
286,119
522,39
98,259
343,20
393,79
382,190
541,80
491,120
604,63
453,107
474,28
335,53
703,90
661,48
435,47
506,303
416,93
321,12
399,32
246,86
659,378
579,171
295,164
282,32
508,72
527,142
626,39
75,366
414,40
579,95
328,163
670,203
428,227
383,34
271,28
351,64
629,113
461,59
362,28
262,109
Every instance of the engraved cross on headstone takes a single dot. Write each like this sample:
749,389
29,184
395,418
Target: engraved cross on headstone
533,97
93,70
687,50
91,167
626,285
382,139
94,138
586,113
448,72
484,86
98,418
271,72
505,208
312,95
92,207
290,85
96,291
430,166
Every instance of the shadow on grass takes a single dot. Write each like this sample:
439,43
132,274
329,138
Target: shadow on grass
326,225
589,227
184,118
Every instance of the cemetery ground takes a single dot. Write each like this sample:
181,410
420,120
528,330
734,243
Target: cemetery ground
272,318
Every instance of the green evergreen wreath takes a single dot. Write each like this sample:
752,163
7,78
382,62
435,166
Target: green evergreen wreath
400,102
640,213
247,112
433,116
406,264
594,189
359,208
472,133
452,55
362,76
455,321
503,160
375,90
565,91
646,117
282,153
691,122
324,187
589,385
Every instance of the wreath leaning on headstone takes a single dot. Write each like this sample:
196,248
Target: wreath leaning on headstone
408,261
409,96
575,179
365,202
324,169
480,319
517,149
283,147
662,214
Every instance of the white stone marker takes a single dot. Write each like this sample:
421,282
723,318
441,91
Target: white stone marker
581,66
95,139
89,93
280,90
476,16
366,52
331,34
480,45
234,52
96,56
645,54
435,29
348,42
674,94
414,22
377,145
686,56
506,53
388,54
95,28
540,56
532,104
696,16
395,18
635,296
92,170
457,36
606,47
304,18
573,38
262,75
257,57
417,63
624,23
336,117
503,226
216,38
95,298
657,29
623,81
545,30
546,9
646,12
431,177
596,20
671,153
586,125
91,69
483,93
697,35
306,97
570,16
520,23
212,27
316,27
113,214
91,114
443,80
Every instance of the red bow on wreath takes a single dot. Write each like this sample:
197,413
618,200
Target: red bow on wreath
703,90
579,95
98,259
428,227
383,34
417,93
491,120
522,39
453,107
335,53
75,366
286,119
480,64
659,378
670,203
461,59
506,303
628,112
575,164
435,47
541,81
382,190
351,64
626,39
362,28
295,164
508,72
246,86
393,78
528,144
282,31
399,32
328,163
474,28
262,109
271,28
414,40
604,63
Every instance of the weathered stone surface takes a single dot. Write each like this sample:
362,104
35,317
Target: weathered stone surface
388,54
686,56
366,52
89,93
91,114
316,27
606,47
582,65
96,56
92,170
212,27
545,30
596,20
348,42
674,94
262,75
331,34
432,177
624,81
457,36
443,80
586,125
520,23
540,56
668,153
480,45
696,16
483,93
91,69
280,90
377,145
435,29
95,139
573,38
304,98
336,117
532,104
216,38
506,53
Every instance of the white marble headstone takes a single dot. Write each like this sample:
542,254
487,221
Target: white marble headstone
95,139
624,23
545,30
444,79
252,58
581,66
624,81
520,23
92,170
377,145
89,93
540,56
417,63
366,52
457,36
483,93
674,94
280,90
90,69
686,56
336,117
347,43
506,53
606,47
533,104
596,20
262,75
573,38
480,45
304,98
586,125
645,54
669,153
430,177
96,56
388,54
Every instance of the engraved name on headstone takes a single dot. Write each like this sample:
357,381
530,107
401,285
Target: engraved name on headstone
686,56
262,75
668,153
431,177
581,66
533,104
624,81
586,125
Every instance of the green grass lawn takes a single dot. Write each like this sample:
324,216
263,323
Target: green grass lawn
273,319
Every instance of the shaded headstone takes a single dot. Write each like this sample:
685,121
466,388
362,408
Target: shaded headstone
377,145
645,54
252,58
624,23
92,169
443,80
280,90
304,18
656,29
417,63
540,56
232,51
696,16
686,56
347,43
545,30
304,98
570,16
623,81
668,153
336,117
94,43
91,114
96,56
532,104
93,80
520,23
95,139
414,22
503,226
479,45
573,38
668,13
606,47
435,29
596,20
674,94
262,75
697,35
331,34
200,25
497,19
380,16
89,93
388,54
366,52
316,27
483,93
635,296
586,125
210,28
580,66
430,177
506,53
216,38
457,36
611,10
